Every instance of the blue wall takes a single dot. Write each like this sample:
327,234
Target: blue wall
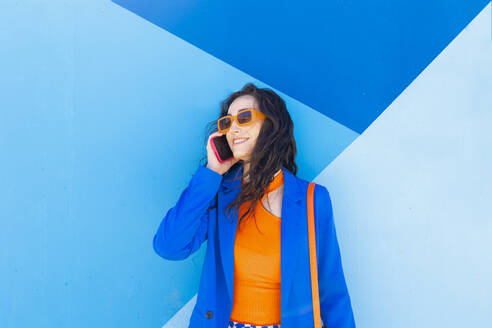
92,156
347,59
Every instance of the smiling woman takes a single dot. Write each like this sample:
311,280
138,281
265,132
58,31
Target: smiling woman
251,265
242,139
259,132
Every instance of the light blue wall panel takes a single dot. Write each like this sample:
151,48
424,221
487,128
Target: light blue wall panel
411,196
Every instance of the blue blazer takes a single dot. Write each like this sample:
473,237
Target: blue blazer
189,223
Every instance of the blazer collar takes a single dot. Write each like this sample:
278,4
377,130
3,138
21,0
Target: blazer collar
293,190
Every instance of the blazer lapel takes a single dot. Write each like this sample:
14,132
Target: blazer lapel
291,235
227,225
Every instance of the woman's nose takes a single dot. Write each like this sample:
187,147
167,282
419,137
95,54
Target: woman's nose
234,126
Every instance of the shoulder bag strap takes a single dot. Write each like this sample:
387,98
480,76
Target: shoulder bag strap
312,256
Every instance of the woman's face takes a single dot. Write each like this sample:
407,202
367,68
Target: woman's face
242,151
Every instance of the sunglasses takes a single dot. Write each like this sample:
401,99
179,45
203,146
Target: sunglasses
244,117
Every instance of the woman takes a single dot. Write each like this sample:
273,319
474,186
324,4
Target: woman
256,271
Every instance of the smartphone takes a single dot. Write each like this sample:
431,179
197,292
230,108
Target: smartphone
221,148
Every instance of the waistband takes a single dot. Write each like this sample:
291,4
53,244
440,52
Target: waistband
234,324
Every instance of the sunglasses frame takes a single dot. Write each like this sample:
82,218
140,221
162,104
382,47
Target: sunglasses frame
255,115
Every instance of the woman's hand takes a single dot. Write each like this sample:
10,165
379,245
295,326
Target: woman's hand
213,162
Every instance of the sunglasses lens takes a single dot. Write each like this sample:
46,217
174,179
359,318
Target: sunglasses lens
224,123
244,117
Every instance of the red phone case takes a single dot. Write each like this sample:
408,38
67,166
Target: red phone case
216,151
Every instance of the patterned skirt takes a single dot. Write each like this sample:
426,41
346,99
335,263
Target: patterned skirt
234,324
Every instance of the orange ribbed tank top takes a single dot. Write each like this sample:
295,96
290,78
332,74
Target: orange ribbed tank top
257,265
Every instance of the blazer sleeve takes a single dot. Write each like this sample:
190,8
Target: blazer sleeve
184,227
335,304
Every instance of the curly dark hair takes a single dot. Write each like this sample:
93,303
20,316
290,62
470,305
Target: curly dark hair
275,146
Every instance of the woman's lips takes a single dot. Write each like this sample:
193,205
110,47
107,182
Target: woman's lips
238,143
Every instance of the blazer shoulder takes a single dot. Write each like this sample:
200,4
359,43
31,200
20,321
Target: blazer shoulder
305,183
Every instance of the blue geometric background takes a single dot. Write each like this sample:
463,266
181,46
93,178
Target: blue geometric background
346,59
391,107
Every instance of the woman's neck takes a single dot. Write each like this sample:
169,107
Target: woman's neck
245,170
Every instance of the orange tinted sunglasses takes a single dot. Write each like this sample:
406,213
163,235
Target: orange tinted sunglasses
244,117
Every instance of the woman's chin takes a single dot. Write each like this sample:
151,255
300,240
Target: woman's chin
240,155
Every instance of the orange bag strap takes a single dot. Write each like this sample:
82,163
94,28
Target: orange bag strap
312,256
